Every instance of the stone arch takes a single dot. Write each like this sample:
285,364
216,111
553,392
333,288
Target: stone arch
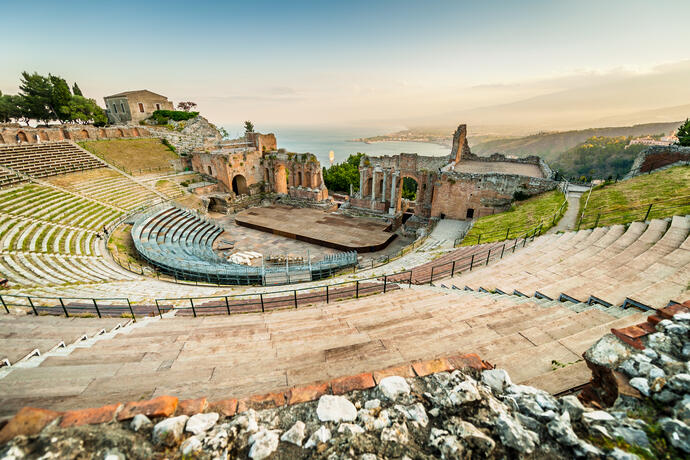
66,134
84,134
120,133
21,136
135,132
239,185
102,133
281,179
43,135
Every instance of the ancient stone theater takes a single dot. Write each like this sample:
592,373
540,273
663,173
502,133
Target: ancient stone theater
459,186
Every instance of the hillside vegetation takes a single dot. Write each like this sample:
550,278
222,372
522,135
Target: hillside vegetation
134,156
522,217
548,145
598,157
668,191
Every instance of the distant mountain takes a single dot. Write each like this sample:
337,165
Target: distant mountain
549,145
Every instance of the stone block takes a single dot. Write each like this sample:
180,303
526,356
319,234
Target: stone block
226,407
306,393
468,361
28,421
260,402
89,416
353,382
431,366
191,406
401,371
162,406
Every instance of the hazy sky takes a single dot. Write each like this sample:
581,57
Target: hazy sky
292,62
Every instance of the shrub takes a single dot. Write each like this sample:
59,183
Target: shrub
161,117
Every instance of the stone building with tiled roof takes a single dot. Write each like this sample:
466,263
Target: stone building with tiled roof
134,106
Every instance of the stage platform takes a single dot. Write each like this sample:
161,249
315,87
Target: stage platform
318,227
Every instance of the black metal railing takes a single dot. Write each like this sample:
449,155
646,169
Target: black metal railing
252,302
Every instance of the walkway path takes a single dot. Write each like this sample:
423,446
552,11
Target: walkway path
569,219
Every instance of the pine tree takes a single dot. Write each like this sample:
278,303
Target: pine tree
683,134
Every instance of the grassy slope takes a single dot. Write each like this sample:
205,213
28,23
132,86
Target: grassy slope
522,216
627,201
133,154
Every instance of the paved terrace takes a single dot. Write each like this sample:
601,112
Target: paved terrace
501,167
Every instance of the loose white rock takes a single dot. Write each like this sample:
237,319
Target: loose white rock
372,404
350,428
640,384
140,421
295,434
416,413
263,443
169,431
597,416
201,423
394,386
335,409
190,446
496,379
319,436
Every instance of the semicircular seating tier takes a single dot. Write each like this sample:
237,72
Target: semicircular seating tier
179,243
644,263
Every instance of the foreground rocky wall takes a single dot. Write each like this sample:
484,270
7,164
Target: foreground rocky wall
454,407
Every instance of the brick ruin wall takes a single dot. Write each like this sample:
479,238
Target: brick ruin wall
658,156
456,193
26,134
225,167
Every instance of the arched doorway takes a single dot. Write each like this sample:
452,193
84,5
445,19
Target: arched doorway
367,188
409,190
84,134
21,135
299,179
239,185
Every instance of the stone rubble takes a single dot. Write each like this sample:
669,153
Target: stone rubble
458,414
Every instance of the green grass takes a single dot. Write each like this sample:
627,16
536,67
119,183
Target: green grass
627,201
522,216
133,154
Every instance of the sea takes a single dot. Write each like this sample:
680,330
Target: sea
320,141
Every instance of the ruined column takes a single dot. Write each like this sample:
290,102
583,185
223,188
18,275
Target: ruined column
383,189
394,195
373,185
361,183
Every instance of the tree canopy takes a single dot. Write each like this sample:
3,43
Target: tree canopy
683,134
248,127
340,176
48,99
